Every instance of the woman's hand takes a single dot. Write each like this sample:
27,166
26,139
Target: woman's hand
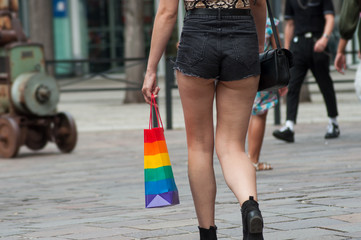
149,86
163,26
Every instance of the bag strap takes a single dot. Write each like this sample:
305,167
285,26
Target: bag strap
159,120
274,30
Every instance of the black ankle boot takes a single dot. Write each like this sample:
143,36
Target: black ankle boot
208,234
252,220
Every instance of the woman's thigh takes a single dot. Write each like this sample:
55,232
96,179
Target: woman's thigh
234,101
197,96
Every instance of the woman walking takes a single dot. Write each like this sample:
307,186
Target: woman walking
264,101
217,59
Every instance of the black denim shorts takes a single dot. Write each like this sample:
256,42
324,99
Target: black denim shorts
218,47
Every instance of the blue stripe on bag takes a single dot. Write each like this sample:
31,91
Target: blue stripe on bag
161,186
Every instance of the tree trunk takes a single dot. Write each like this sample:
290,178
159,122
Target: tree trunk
41,26
134,48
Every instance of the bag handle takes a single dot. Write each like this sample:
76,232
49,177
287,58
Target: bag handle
159,120
274,30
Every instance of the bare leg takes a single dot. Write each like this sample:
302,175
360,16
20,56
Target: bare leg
197,96
234,104
256,131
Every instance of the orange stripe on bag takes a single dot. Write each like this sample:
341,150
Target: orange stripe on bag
155,148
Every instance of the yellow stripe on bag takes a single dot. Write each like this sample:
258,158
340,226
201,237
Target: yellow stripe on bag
156,161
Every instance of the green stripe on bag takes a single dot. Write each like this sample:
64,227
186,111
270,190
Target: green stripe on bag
156,174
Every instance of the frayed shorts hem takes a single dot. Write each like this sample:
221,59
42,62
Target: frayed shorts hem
177,68
184,72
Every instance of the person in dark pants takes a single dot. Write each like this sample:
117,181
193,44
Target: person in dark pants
307,31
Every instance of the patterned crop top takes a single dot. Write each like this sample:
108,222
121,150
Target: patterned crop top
191,4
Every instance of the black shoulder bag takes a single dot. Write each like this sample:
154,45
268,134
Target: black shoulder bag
275,63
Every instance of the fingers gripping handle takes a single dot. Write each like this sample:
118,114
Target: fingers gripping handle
159,120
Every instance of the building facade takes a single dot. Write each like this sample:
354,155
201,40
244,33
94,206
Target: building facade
89,29
94,29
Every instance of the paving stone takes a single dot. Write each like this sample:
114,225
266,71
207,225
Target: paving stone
231,232
191,236
99,234
168,224
351,218
305,224
155,234
64,232
354,235
345,227
311,233
328,237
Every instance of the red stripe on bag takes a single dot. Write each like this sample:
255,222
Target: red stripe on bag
153,135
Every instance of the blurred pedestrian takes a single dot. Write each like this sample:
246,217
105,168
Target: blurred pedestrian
264,101
349,20
307,31
218,58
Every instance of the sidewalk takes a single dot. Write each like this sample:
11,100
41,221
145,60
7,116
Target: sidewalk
97,191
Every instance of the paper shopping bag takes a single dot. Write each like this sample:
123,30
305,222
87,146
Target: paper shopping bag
160,187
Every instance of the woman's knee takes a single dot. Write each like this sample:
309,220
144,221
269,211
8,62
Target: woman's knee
220,151
224,149
200,142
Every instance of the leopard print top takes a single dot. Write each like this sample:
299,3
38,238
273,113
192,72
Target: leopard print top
191,4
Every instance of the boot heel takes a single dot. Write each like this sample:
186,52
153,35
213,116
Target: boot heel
255,222
252,220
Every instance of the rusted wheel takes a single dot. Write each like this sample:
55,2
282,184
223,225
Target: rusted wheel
36,138
64,132
9,137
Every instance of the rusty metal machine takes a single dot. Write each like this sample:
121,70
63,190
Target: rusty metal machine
29,99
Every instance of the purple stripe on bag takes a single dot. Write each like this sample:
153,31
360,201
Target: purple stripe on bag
162,200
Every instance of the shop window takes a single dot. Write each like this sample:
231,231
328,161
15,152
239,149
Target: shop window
105,23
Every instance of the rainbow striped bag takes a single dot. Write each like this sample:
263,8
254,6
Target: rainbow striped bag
160,187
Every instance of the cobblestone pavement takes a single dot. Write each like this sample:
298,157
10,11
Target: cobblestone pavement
97,191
